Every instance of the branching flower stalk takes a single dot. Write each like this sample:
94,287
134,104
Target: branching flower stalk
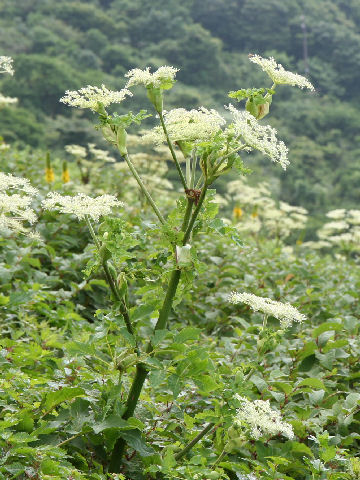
173,154
141,370
143,188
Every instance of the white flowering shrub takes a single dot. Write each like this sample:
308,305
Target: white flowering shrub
124,353
255,211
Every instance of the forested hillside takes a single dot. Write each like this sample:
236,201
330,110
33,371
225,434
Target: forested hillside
60,45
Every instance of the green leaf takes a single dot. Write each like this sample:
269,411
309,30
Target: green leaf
53,399
113,421
301,448
327,327
134,439
312,382
186,334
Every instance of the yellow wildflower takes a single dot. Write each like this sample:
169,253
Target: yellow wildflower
237,212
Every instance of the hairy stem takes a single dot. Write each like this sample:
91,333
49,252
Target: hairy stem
143,188
220,457
194,441
111,281
173,154
141,370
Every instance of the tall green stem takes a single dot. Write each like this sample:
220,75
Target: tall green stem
111,281
143,188
173,154
141,370
194,441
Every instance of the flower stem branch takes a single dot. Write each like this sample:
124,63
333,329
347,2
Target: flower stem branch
194,441
112,282
220,457
173,154
143,188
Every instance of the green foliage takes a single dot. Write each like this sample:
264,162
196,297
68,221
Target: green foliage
57,48
67,357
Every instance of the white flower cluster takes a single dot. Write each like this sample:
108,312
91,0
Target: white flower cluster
4,147
260,211
259,137
6,65
90,97
187,125
261,420
101,155
6,100
284,312
279,75
76,150
16,196
164,77
343,229
81,205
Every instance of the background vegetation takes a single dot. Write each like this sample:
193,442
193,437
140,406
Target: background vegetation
68,44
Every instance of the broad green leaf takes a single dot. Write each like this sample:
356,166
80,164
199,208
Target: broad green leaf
53,399
312,382
112,421
188,333
134,439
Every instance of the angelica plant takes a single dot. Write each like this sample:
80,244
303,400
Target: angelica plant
211,147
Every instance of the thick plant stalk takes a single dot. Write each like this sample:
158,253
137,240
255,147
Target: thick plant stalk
173,154
141,370
143,188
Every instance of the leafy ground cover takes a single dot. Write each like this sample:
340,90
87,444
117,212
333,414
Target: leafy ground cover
65,355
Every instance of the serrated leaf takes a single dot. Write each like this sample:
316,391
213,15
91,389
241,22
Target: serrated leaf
112,421
312,382
186,334
134,439
53,399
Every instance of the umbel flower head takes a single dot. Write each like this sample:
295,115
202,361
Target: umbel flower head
279,75
6,65
7,100
16,195
259,137
76,150
187,125
81,205
284,312
163,78
260,419
91,97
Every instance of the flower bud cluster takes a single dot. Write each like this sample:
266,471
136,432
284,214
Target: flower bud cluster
4,101
91,97
261,420
6,65
163,78
259,137
187,125
279,75
16,196
81,205
284,312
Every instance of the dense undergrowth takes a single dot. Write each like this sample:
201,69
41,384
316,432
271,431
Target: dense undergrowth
127,348
65,355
